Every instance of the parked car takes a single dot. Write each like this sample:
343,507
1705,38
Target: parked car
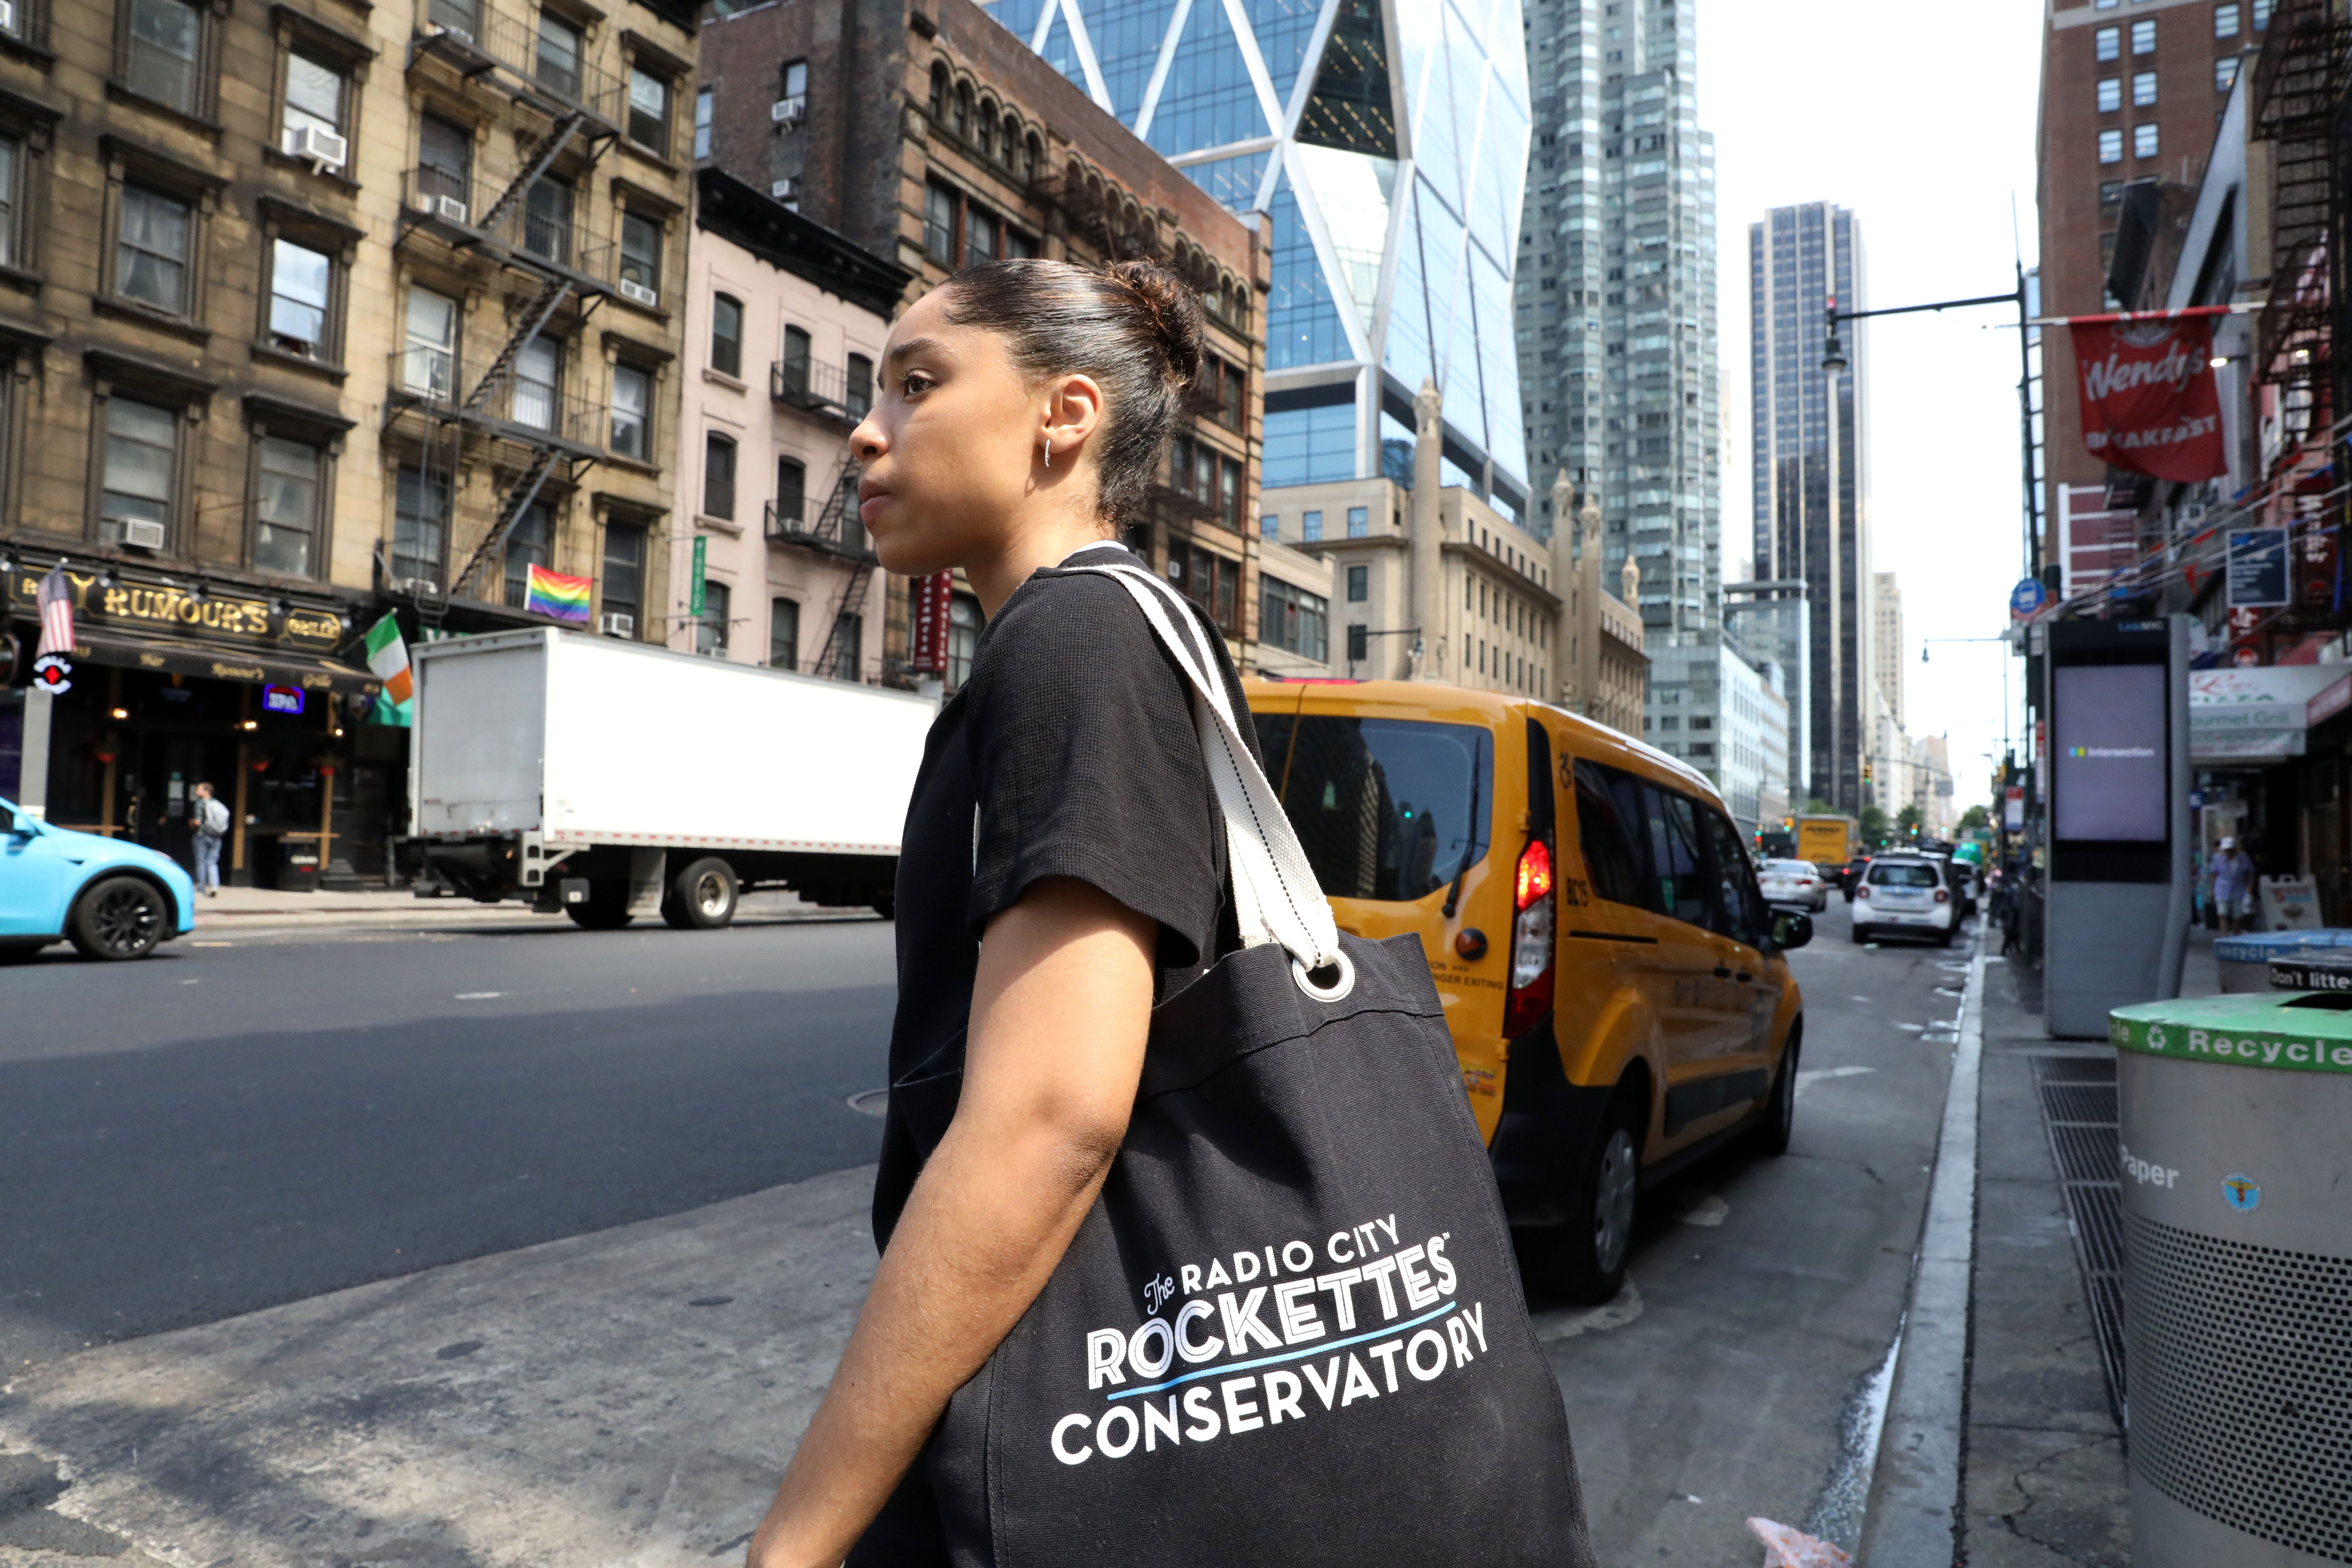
110,898
1612,976
1905,895
1794,882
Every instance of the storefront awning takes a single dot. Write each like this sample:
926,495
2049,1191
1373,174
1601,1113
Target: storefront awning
256,667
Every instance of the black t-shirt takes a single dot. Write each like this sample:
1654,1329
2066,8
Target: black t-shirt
1074,739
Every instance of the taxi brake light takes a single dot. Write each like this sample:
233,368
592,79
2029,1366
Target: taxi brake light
1535,874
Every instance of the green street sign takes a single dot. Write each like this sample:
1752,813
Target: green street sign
693,604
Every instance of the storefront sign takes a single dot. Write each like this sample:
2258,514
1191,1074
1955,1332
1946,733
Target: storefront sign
2317,573
2149,400
157,607
2012,809
281,699
933,599
2258,573
2329,703
53,673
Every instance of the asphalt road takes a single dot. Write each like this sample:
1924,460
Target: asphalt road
233,1126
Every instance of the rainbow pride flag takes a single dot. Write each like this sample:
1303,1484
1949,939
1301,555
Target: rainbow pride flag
558,598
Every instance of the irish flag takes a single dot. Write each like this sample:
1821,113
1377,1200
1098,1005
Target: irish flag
557,596
387,655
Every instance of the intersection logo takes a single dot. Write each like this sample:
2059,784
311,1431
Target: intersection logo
2110,752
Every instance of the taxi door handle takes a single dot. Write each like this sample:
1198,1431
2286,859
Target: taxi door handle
1746,978
1721,972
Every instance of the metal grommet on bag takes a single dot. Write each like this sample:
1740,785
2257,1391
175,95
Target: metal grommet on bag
1333,992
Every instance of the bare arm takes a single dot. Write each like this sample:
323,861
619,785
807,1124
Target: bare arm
1060,1010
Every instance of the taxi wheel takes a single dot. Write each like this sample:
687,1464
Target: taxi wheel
1584,1259
1780,1110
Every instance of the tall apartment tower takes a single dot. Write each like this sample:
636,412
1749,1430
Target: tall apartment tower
2129,96
1886,643
1799,260
1616,295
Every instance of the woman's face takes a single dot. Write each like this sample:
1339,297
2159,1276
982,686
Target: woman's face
949,449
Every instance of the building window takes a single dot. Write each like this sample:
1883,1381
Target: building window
141,473
1310,527
938,94
2262,14
2111,195
2144,143
1018,246
2111,94
314,103
2143,88
794,79
727,335
420,518
1269,525
2225,20
710,629
2111,146
783,634
702,103
641,240
445,156
979,235
152,259
718,476
529,543
625,571
2144,37
633,396
547,220
1360,522
792,490
859,378
2225,73
302,284
537,384
559,56
12,184
795,362
2107,42
964,638
1360,584
429,364
939,223
848,646
1293,620
286,505
649,111
165,42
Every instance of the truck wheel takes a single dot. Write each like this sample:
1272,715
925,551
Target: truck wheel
702,896
121,916
1584,1259
607,907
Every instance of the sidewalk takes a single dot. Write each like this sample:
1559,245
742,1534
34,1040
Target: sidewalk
243,910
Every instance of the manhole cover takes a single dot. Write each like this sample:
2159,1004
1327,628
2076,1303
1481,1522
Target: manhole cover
873,1102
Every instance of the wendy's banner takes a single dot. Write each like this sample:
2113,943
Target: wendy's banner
2149,401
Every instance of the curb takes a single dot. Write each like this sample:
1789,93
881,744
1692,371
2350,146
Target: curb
1914,1511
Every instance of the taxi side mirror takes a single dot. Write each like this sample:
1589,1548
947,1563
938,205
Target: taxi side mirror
1791,929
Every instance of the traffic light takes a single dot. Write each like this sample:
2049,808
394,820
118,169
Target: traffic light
1865,772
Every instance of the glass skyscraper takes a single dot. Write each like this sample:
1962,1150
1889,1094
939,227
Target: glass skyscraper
1616,319
1387,140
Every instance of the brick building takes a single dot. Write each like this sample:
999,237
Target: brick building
934,138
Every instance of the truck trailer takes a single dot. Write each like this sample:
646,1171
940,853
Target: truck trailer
1828,842
613,779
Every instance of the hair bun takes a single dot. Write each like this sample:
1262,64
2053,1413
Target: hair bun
1173,312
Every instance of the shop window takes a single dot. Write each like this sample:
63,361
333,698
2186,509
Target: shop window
783,634
641,242
429,360
559,54
151,249
711,630
727,335
289,488
537,384
547,220
624,577
302,301
529,542
159,53
718,476
792,490
649,111
633,393
310,122
859,400
138,493
420,524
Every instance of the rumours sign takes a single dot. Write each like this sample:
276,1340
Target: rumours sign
164,607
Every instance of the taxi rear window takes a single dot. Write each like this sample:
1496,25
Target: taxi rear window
1387,809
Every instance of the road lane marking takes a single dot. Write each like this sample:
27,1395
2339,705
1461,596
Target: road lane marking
1567,1322
1710,1211
1808,1077
478,996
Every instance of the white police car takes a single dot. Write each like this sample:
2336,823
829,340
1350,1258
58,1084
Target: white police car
1905,895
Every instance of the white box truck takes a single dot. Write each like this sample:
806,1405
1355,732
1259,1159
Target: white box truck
613,779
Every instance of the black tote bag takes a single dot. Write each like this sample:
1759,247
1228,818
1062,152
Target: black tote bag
1290,1331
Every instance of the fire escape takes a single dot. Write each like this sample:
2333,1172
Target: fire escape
511,410
824,392
2300,109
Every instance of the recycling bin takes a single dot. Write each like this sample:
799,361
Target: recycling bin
2236,1168
2245,959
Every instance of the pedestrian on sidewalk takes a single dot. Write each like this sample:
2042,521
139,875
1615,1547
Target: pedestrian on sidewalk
2234,886
211,826
1065,810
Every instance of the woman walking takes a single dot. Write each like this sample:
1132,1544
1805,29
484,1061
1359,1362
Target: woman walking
1062,871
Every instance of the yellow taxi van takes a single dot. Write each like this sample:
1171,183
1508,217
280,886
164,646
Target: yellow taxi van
1612,977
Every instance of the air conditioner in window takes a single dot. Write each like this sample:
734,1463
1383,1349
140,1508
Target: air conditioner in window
322,148
786,189
446,207
616,625
144,532
416,587
632,290
789,110
441,29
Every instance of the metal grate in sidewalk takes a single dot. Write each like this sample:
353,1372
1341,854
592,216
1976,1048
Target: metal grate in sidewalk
2077,1093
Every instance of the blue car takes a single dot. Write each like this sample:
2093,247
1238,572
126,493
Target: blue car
108,898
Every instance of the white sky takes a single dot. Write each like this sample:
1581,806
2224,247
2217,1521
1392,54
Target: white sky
1921,120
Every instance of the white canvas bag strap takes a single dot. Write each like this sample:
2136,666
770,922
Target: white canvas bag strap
1276,896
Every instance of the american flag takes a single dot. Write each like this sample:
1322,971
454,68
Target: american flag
56,601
